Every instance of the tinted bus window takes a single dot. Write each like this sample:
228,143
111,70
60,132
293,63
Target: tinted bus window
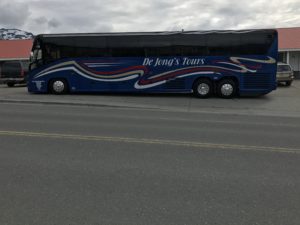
177,44
223,44
255,44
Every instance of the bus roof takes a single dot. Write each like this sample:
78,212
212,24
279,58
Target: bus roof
156,33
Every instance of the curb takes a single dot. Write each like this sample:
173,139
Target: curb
73,104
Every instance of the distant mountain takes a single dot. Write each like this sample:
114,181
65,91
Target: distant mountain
14,34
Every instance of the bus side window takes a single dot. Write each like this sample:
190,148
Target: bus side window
51,53
55,54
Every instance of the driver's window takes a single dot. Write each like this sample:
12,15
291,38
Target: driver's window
35,59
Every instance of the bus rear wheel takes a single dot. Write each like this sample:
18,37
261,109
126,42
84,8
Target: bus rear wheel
58,86
203,88
226,88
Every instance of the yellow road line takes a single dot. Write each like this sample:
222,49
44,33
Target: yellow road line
149,141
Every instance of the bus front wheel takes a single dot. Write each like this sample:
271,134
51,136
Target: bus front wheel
203,88
58,86
226,88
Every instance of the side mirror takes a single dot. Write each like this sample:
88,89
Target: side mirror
31,57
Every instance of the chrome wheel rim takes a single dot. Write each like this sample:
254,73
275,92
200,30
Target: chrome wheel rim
203,89
226,89
58,86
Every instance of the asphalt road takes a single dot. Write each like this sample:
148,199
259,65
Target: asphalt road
282,102
86,165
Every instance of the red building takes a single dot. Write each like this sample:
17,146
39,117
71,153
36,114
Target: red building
14,60
15,49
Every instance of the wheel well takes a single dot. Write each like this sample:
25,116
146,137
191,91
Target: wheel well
234,79
203,78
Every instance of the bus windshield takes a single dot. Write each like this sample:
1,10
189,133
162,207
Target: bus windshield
36,57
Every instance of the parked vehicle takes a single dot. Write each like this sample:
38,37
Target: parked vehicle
284,74
13,72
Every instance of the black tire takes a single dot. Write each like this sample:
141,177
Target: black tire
58,86
288,83
227,88
10,84
203,88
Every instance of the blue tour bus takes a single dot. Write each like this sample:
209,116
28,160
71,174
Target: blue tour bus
225,63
